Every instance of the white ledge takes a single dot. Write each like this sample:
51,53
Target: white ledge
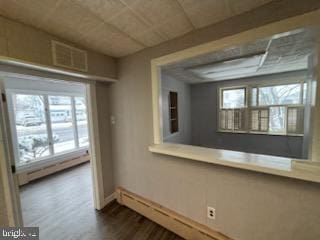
42,68
274,165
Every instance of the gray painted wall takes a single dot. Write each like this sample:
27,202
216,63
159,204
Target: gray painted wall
204,109
168,84
249,205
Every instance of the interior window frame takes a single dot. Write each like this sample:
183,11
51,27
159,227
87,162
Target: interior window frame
213,156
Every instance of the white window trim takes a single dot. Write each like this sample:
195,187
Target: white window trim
248,92
53,157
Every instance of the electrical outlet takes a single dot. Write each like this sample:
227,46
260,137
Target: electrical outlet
211,212
113,120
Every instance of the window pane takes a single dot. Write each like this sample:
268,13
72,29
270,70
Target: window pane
233,98
254,97
282,94
31,128
305,89
255,120
295,120
82,121
277,120
229,119
264,119
61,123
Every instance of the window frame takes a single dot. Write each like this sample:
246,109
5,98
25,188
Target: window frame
221,108
288,169
52,157
248,106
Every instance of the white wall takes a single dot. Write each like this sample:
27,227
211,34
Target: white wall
168,84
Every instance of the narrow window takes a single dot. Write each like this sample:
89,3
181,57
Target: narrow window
31,129
259,120
82,121
232,110
173,106
295,120
61,123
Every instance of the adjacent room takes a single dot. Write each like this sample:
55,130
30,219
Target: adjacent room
253,98
160,119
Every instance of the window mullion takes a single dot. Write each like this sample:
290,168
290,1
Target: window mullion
74,122
48,123
301,92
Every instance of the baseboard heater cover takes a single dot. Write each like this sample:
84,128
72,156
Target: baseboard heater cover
180,225
26,177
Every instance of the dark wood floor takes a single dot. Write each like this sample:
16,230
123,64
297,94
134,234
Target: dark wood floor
62,206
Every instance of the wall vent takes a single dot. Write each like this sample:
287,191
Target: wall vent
69,57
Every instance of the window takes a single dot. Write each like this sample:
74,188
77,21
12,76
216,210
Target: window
173,106
295,120
234,98
62,125
272,109
259,120
232,111
31,130
232,119
82,122
45,125
280,95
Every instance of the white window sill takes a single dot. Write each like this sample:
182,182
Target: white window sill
47,161
281,166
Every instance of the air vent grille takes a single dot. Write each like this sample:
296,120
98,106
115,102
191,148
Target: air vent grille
69,57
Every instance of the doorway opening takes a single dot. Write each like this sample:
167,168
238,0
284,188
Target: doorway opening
50,131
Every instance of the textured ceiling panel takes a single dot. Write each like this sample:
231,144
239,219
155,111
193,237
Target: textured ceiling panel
129,23
283,52
237,7
20,10
105,9
121,27
64,17
165,16
111,40
205,13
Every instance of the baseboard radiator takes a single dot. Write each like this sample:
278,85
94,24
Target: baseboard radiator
180,225
26,177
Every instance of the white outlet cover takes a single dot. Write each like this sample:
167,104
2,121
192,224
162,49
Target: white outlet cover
211,213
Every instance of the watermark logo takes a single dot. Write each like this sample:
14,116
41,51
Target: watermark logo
19,233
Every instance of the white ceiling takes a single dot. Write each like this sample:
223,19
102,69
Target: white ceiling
121,27
283,53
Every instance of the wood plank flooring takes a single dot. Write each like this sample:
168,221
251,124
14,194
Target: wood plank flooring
62,206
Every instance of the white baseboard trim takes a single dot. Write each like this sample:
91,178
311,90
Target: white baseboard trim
28,176
173,221
109,199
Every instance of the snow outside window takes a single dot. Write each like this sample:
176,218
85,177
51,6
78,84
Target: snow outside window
45,125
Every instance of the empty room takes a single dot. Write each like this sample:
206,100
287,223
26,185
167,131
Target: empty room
160,119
